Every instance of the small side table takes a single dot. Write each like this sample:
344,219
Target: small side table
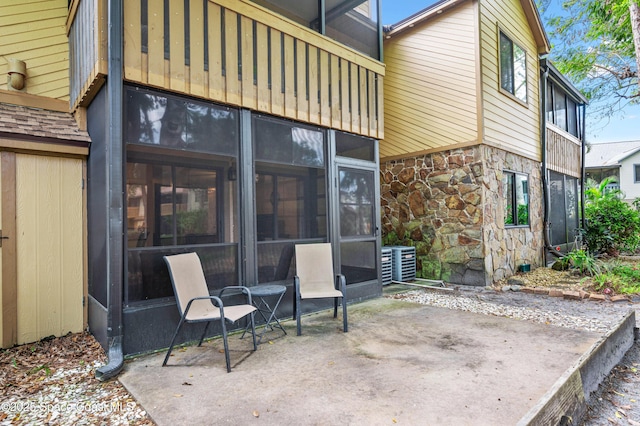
259,295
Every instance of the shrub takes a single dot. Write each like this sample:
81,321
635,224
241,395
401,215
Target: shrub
612,225
583,261
621,278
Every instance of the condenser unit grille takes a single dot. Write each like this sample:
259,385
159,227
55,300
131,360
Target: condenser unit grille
386,264
403,261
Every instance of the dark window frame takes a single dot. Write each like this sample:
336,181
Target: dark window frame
636,173
570,118
511,201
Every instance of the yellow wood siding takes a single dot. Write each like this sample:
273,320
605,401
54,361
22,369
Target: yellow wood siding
2,314
268,63
49,252
430,94
563,153
34,32
508,124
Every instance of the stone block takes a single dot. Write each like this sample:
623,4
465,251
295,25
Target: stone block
620,298
541,291
571,295
406,175
554,292
528,290
596,296
455,203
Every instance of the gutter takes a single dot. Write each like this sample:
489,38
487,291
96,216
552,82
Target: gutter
115,223
583,220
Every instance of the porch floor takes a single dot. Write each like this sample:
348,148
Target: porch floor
399,363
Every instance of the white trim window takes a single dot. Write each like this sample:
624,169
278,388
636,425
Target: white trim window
513,68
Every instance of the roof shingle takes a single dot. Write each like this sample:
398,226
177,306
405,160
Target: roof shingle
16,119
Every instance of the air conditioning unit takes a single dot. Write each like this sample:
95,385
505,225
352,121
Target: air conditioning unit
386,265
403,261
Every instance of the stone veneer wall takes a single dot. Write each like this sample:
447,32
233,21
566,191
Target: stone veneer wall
507,248
449,205
434,202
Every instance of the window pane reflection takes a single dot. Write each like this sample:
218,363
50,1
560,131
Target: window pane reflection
522,199
196,206
290,203
290,182
356,202
513,68
506,61
560,108
170,205
520,73
153,118
288,143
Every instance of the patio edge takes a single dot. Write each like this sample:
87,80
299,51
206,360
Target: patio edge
566,401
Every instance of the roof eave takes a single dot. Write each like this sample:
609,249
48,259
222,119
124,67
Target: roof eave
539,34
419,17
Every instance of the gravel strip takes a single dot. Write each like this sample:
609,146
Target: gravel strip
53,382
581,315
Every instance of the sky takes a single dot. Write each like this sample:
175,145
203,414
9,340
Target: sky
624,126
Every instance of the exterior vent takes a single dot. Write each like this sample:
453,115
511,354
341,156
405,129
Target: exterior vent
403,261
386,266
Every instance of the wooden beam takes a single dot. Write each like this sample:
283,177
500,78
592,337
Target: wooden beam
9,246
46,147
34,101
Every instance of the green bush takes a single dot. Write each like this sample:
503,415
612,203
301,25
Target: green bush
612,225
583,261
621,278
523,214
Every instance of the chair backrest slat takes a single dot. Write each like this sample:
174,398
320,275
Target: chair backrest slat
187,278
314,264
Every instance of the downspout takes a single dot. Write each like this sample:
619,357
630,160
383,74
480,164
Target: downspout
380,31
115,237
583,165
543,138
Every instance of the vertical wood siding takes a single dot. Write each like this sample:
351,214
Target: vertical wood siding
430,94
563,154
245,55
49,252
2,290
34,32
507,123
87,45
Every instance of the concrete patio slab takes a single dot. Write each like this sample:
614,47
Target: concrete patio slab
400,363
